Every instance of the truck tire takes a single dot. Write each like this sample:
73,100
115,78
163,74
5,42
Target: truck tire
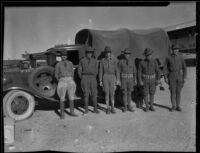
18,105
42,81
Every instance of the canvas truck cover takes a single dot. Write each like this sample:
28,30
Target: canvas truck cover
136,40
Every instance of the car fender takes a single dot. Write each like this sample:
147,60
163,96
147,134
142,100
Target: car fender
33,93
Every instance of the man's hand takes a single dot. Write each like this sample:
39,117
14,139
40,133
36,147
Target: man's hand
141,83
166,80
118,83
100,83
184,80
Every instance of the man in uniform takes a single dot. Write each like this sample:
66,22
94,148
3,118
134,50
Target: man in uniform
64,74
109,78
175,75
128,79
149,77
87,71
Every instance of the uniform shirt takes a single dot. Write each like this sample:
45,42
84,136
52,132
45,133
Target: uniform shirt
108,66
148,67
126,66
88,66
175,63
64,69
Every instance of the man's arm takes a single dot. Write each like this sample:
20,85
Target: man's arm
140,73
100,71
117,72
96,66
80,69
72,68
56,71
184,67
134,73
165,70
158,73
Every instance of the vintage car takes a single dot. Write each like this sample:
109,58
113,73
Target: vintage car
34,78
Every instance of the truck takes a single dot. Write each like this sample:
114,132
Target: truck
35,80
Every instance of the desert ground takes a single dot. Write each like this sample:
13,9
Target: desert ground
161,130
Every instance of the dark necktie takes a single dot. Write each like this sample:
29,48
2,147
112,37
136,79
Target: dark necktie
148,62
65,64
126,61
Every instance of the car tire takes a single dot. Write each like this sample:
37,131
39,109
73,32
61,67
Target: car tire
17,100
42,85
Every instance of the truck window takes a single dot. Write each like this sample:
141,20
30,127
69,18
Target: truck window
73,56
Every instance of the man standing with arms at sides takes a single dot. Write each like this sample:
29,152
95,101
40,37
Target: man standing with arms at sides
175,75
149,77
87,71
64,74
128,79
109,78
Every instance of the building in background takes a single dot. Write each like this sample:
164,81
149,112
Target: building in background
184,35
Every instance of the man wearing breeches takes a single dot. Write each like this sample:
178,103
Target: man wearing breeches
109,78
149,77
87,71
64,74
128,78
175,75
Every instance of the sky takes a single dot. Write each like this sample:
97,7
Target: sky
35,29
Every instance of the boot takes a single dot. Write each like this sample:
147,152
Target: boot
62,108
178,109
112,107
173,101
151,102
178,99
86,104
108,110
152,108
86,110
95,105
130,108
113,110
146,109
124,109
71,103
172,109
96,111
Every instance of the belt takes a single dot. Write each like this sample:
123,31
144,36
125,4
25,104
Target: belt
153,76
65,78
176,71
62,76
87,74
124,75
109,73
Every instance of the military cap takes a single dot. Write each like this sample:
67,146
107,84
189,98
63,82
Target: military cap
148,51
59,53
89,50
107,49
126,51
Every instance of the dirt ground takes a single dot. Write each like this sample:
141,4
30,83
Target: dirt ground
161,130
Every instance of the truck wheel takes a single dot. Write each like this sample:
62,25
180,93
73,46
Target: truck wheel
18,105
42,81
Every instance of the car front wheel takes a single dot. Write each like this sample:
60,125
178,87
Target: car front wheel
18,105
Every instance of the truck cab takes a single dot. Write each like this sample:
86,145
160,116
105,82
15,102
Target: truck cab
33,78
